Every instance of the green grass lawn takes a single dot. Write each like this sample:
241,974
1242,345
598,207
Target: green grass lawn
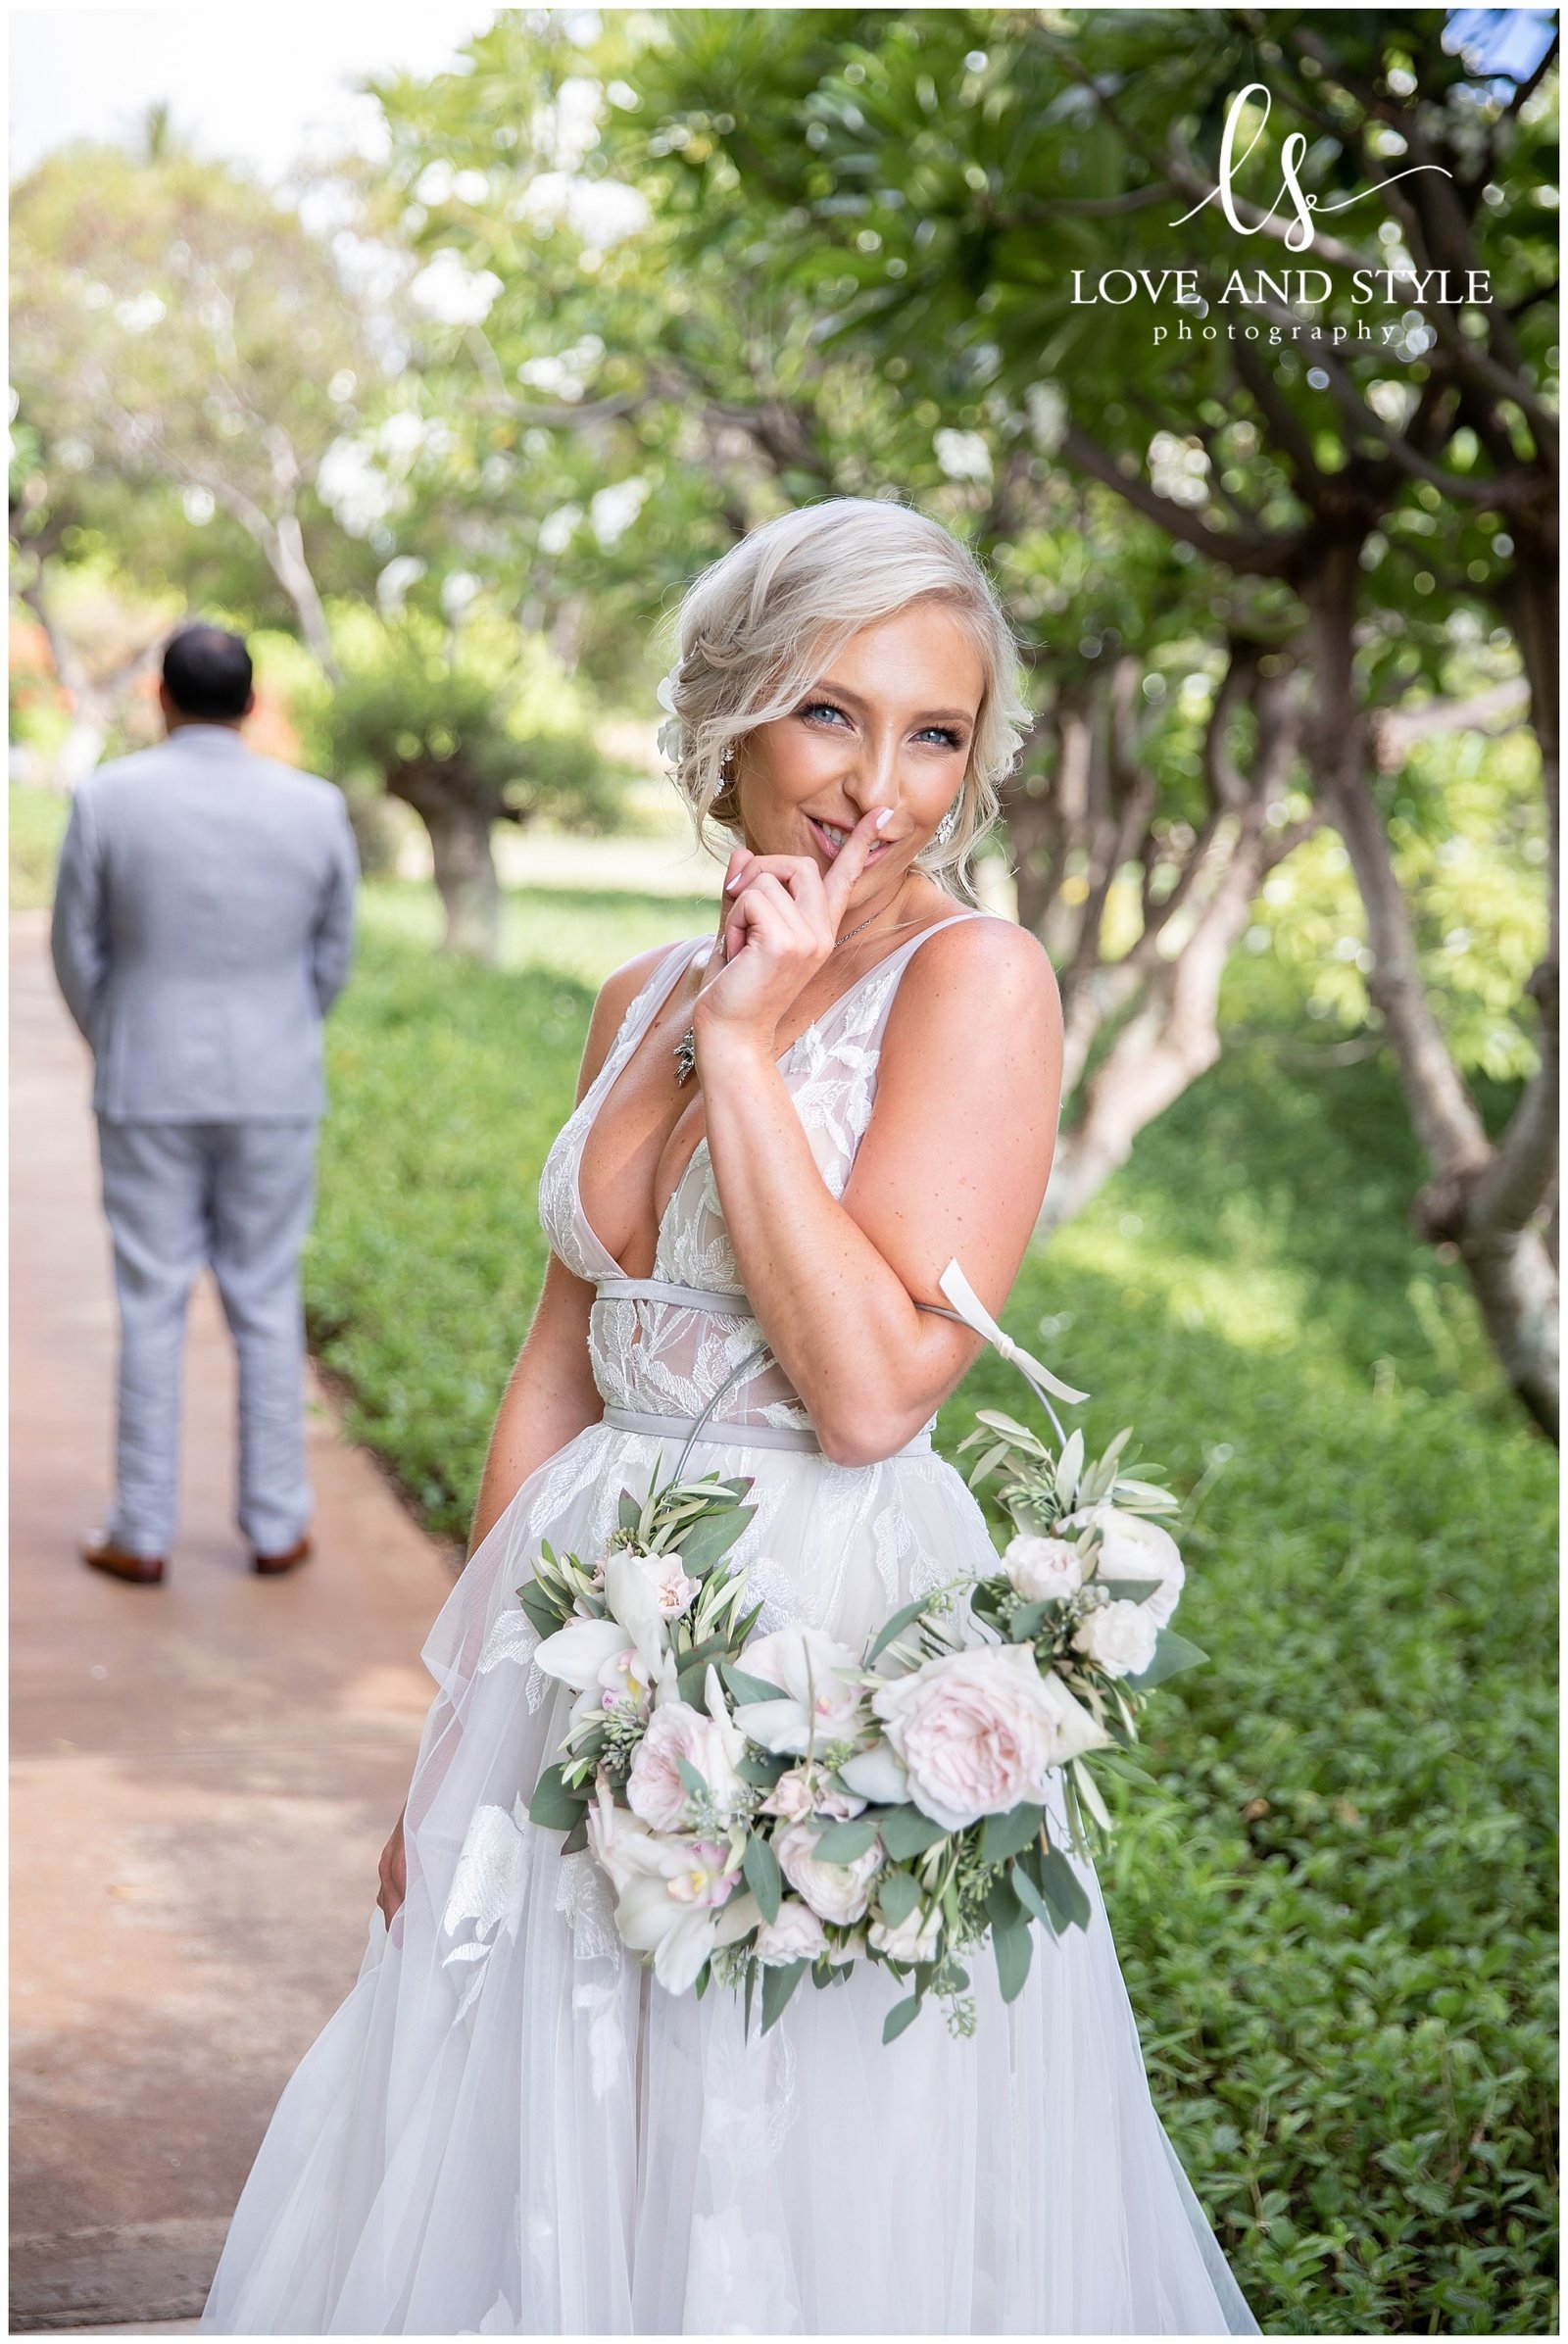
35,822
1336,1917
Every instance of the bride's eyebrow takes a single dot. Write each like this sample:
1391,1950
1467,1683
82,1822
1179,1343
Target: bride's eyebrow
926,715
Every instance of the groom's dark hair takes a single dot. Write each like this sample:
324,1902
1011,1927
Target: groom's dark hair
207,672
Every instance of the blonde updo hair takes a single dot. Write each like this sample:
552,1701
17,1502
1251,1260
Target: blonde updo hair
759,627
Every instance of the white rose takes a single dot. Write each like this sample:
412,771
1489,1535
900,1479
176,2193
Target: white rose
914,1938
674,1591
818,1679
1040,1569
1120,1636
977,1730
836,1892
796,1935
1134,1547
654,1790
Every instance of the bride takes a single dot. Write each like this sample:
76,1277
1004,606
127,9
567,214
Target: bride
782,1135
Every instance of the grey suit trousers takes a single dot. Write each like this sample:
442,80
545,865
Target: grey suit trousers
236,1195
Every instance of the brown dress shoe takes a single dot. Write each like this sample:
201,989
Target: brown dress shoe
104,1553
273,1566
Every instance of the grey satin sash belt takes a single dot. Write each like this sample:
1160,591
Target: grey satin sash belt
740,1435
658,1289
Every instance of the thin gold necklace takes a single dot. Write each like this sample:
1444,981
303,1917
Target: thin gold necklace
685,1049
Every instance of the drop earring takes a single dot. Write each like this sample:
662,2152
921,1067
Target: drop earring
943,834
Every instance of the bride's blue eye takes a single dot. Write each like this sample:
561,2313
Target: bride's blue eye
814,708
941,732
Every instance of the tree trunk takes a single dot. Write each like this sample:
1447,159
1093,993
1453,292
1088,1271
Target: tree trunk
466,879
1491,1203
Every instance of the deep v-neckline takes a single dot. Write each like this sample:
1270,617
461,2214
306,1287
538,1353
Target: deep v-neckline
614,1068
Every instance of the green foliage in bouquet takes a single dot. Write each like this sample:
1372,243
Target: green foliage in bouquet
776,1806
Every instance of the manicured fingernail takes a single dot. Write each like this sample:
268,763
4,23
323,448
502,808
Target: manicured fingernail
884,817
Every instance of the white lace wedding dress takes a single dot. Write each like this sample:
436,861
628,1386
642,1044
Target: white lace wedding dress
508,2128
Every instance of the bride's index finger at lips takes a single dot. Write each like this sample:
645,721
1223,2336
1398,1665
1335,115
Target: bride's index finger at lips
851,857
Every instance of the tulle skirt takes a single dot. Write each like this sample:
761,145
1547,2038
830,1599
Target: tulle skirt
509,2129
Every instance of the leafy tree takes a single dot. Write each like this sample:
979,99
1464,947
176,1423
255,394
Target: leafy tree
182,347
1343,501
443,721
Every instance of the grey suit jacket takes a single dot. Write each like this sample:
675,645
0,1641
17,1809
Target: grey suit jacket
203,926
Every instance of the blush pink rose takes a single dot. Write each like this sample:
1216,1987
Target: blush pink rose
978,1731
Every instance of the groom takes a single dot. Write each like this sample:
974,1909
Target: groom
203,926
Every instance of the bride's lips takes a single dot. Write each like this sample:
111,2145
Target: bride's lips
830,846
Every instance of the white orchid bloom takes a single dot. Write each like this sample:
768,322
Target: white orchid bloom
819,1679
631,1598
576,1653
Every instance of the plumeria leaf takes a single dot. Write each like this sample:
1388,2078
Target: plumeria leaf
1013,1949
760,1867
1172,1654
1005,1834
903,2014
778,1984
905,1832
841,1842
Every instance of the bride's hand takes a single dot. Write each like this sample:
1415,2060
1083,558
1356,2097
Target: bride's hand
781,920
393,1872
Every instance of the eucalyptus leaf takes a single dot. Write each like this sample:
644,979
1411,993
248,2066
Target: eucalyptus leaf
711,1537
1013,1949
778,1984
1005,1834
1172,1654
897,1893
841,1842
901,2015
905,1832
746,1688
1063,1890
553,1806
693,1780
760,1867
1030,1898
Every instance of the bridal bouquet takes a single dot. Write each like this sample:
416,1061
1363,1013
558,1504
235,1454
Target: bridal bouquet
764,1806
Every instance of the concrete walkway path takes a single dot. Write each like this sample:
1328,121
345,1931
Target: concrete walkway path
204,1773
